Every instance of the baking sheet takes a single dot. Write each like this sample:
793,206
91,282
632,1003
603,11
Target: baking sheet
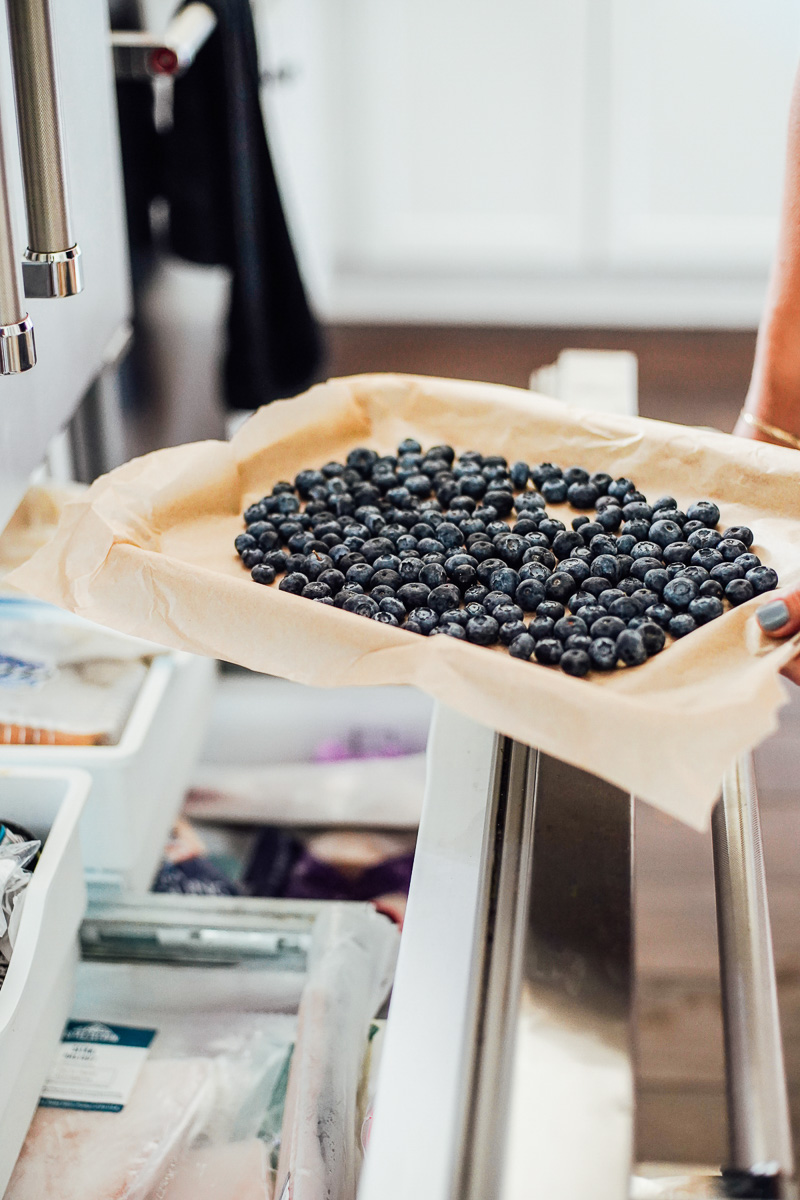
149,550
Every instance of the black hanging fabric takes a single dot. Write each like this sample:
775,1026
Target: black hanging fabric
225,209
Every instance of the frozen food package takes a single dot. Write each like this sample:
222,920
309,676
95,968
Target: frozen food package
350,970
78,1155
64,681
149,550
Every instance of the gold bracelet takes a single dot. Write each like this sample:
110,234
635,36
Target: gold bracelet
771,431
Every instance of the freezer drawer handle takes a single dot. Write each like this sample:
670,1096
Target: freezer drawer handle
143,55
17,347
51,266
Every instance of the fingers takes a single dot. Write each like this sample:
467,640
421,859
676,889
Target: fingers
780,617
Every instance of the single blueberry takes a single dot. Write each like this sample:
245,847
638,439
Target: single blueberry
541,627
607,627
705,609
361,606
631,648
707,558
567,541
560,586
543,472
653,637
510,631
679,593
738,591
656,579
476,594
582,495
567,626
551,608
294,583
605,565
681,624
763,579
413,595
665,533
549,651
705,511
624,608
520,474
529,594
731,549
577,568
482,631
425,617
507,612
741,533
711,587
603,653
504,579
662,614
610,518
263,573
724,572
522,647
554,491
441,598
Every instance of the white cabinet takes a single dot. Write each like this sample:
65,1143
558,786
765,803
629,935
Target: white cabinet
699,104
534,161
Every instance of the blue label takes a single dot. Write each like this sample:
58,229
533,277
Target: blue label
110,1035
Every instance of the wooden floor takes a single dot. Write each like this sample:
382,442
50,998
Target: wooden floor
695,378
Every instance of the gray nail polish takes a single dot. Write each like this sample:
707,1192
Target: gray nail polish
773,616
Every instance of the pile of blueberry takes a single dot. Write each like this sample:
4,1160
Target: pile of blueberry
466,548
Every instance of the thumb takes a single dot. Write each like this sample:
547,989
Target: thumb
781,616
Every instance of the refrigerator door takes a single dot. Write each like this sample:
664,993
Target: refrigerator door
74,335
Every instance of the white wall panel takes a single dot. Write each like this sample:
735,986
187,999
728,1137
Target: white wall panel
460,127
699,101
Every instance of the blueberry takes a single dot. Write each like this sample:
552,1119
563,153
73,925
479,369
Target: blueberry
432,575
520,474
530,503
707,558
679,593
630,585
738,591
638,530
610,518
631,648
577,568
510,631
607,627
662,614
385,618
705,511
534,570
501,500
592,612
427,546
476,594
567,626
567,541
582,495
549,651
705,609
263,573
711,587
481,550
724,572
389,579
653,637
245,541
608,597
605,565
362,606
550,527
646,550
554,491
619,488
425,617
731,549
576,662
252,557
541,627
681,624
763,579
474,609
293,583
656,579
665,533
697,573
413,595
560,586
624,608
595,585
603,653
256,512
551,608
482,631
539,555
507,612
493,599
333,578
543,472
591,529
601,481
601,544
504,579
361,573
675,569
450,630
441,598
741,533
636,510
625,543
410,570
643,598
746,562
529,594
412,626
522,647
487,568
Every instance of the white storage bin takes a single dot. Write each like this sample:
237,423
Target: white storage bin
37,995
137,785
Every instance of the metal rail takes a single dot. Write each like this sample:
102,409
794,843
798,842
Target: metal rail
758,1108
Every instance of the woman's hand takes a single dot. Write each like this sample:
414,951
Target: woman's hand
779,618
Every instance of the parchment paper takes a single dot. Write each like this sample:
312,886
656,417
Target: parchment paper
149,550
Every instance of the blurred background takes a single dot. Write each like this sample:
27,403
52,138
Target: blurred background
472,187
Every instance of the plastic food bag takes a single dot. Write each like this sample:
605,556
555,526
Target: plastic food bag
15,857
351,967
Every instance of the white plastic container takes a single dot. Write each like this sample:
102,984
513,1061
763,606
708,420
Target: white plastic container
137,785
36,998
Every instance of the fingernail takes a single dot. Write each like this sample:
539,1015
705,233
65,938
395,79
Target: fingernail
773,616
